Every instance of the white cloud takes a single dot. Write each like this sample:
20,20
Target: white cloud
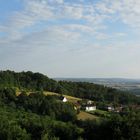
93,15
127,11
75,36
36,11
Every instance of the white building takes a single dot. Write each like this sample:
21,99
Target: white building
110,108
64,99
90,108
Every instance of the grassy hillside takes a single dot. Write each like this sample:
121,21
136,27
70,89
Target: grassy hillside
70,98
30,81
86,116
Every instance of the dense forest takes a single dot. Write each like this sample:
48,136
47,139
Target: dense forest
39,117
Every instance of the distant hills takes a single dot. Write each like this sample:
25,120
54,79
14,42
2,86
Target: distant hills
132,85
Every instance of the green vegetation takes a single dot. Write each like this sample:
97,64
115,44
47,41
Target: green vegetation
39,104
27,80
97,92
37,117
86,116
36,81
20,125
101,113
70,98
115,128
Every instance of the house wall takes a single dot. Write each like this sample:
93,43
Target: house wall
91,108
64,100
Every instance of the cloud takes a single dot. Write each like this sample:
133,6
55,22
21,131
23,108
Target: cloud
127,11
73,35
91,14
38,11
76,19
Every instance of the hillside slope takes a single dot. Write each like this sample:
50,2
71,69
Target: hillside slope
36,81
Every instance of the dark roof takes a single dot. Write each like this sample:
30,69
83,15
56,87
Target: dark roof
61,97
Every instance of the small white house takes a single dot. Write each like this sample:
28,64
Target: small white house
90,108
110,108
64,99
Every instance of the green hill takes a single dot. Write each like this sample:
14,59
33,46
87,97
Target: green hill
37,117
39,82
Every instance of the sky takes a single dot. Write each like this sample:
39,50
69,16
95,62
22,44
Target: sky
71,38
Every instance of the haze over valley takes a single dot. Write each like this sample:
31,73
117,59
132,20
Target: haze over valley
131,85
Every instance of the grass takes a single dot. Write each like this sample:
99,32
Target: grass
69,98
46,93
85,115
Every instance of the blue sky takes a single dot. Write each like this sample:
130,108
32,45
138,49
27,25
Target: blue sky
71,38
8,6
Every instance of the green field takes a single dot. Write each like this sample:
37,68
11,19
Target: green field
85,115
69,98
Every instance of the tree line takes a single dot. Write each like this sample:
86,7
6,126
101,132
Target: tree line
39,82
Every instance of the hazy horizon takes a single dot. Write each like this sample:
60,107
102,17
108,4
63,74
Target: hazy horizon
60,77
96,78
68,38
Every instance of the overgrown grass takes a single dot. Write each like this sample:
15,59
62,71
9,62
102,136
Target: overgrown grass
69,98
101,113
